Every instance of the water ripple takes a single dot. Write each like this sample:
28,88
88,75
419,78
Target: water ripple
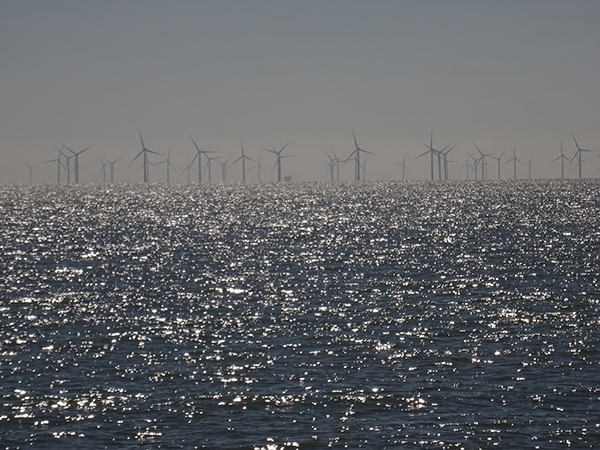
300,315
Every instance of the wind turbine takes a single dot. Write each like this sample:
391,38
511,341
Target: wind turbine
31,172
144,153
476,162
258,167
209,166
430,150
223,170
330,165
243,158
198,155
497,158
578,154
483,162
334,165
403,164
436,152
530,165
363,166
58,164
67,164
103,169
466,166
337,165
444,153
514,160
188,168
112,168
168,164
356,154
279,158
76,155
562,158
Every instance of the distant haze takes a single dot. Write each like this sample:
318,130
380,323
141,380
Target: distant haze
500,74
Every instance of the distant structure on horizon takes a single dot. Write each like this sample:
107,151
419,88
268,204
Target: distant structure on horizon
476,164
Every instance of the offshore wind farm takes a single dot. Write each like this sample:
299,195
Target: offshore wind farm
391,72
283,225
476,165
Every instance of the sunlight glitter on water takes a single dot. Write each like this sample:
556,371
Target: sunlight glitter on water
307,315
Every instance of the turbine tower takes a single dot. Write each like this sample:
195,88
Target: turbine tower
112,169
258,166
436,152
243,158
331,165
466,166
514,160
223,170
363,167
530,165
31,172
562,158
188,168
476,162
578,154
144,153
58,166
279,158
483,161
444,153
209,166
431,150
498,158
67,164
168,166
76,164
356,154
403,164
199,153
103,169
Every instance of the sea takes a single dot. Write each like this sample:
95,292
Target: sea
304,315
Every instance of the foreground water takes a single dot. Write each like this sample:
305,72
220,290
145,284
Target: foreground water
309,315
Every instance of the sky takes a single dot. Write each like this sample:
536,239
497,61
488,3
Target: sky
510,74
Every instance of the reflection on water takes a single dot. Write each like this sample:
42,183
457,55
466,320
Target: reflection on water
300,315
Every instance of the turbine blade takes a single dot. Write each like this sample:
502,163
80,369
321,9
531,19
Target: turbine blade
80,152
141,139
195,145
283,148
136,157
351,154
423,154
576,144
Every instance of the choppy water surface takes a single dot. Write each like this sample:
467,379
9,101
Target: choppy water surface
358,315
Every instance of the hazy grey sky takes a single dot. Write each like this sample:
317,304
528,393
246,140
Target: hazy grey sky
498,73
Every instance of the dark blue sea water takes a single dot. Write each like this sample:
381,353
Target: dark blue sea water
301,315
